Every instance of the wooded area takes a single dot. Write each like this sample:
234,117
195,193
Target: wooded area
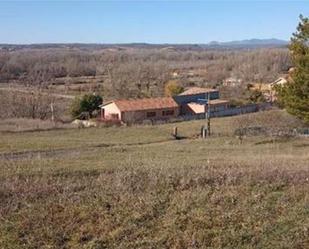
131,72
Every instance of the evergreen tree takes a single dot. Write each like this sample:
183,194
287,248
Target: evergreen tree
294,96
87,104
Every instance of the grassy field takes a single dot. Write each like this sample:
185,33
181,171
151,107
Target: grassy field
136,187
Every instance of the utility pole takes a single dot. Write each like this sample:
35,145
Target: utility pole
206,131
208,113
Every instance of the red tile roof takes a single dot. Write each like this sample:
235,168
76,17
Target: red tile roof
197,90
145,104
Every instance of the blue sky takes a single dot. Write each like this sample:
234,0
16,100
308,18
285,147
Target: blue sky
147,21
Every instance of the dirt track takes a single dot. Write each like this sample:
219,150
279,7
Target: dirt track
23,90
50,153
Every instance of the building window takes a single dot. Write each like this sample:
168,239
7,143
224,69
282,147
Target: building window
151,114
114,116
167,112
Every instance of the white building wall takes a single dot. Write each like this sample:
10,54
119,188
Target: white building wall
111,110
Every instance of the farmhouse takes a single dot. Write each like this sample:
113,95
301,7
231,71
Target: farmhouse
269,90
264,88
137,110
187,103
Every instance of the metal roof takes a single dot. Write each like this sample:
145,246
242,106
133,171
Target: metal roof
211,102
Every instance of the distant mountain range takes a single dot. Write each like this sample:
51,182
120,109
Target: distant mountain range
242,44
249,43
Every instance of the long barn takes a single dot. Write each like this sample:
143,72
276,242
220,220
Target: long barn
137,110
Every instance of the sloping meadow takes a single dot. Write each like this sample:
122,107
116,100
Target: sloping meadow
159,193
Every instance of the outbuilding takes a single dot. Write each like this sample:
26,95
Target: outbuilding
215,105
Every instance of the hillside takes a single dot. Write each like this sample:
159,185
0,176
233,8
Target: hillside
64,188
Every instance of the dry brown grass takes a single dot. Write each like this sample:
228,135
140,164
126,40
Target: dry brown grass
25,124
128,188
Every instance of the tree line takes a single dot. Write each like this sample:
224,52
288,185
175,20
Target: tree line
147,67
129,73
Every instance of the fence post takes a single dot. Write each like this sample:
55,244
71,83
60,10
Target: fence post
175,132
203,131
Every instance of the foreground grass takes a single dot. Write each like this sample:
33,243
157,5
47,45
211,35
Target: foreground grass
151,192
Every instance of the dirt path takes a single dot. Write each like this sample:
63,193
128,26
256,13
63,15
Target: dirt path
33,154
23,90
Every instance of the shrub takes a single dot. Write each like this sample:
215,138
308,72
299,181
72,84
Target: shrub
257,97
172,88
86,106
